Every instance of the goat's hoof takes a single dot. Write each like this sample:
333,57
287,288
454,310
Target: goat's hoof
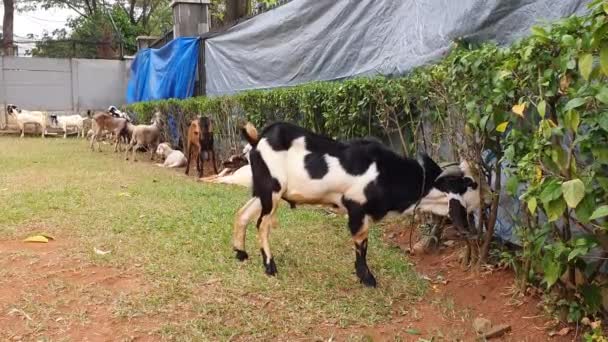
368,280
241,255
271,268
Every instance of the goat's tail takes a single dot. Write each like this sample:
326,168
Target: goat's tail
250,133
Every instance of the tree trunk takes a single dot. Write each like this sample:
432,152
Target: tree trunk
7,24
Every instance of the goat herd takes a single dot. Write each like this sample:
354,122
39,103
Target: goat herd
361,177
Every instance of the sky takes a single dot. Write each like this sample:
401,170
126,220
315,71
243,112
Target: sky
36,22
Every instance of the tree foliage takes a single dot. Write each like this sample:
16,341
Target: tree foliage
101,30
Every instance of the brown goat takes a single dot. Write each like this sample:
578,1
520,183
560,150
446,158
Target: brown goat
104,121
200,139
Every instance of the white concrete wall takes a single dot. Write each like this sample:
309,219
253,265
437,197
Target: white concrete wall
62,85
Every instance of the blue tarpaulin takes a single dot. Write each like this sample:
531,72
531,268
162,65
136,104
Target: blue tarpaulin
168,72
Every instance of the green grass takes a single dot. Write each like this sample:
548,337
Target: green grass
180,231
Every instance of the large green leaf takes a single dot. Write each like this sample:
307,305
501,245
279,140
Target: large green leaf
552,268
604,58
511,186
552,190
599,212
542,108
585,208
555,209
576,252
572,120
532,205
603,121
574,191
585,65
602,95
574,103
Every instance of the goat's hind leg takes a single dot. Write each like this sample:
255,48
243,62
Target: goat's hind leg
251,209
267,220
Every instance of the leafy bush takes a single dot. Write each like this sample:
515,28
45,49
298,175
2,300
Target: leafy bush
539,106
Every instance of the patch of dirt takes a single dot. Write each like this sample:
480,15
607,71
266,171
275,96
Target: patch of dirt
45,293
454,299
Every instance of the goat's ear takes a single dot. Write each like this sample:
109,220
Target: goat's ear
430,167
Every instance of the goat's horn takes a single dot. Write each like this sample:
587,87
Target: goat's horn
453,171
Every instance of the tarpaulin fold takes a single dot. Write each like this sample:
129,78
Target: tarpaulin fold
312,40
168,72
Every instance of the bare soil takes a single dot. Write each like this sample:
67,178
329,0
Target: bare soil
46,292
455,298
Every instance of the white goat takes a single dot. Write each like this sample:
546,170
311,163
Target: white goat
28,117
145,135
173,158
75,120
234,172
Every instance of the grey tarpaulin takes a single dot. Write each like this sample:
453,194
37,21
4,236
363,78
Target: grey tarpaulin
311,40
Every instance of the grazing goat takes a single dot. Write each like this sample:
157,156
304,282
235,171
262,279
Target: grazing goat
145,135
362,177
106,122
28,117
200,139
173,158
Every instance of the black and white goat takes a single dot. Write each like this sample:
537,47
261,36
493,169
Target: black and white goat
118,114
362,177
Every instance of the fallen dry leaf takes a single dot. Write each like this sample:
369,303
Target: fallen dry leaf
100,252
36,238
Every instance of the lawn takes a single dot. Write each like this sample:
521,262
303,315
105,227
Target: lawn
175,233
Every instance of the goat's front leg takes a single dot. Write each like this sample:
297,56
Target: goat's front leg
43,130
137,146
200,163
213,157
65,132
358,223
22,128
188,160
250,210
129,147
153,148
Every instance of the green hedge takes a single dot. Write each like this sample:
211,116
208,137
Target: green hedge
540,106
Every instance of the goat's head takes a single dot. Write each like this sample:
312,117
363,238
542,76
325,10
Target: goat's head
53,119
206,125
114,111
163,149
156,118
454,191
12,109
